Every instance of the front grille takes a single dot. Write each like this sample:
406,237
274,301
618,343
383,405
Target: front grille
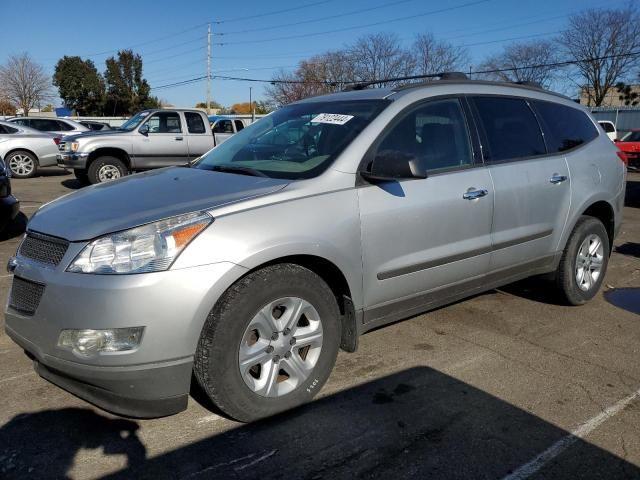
43,248
25,295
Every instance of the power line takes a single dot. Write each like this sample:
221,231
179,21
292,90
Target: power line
193,27
314,20
356,27
276,12
417,77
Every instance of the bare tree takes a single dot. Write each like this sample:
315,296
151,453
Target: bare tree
324,73
604,43
436,56
380,56
23,82
523,62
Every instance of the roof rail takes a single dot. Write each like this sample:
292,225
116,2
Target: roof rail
441,76
529,83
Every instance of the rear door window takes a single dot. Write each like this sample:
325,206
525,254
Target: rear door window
195,124
566,127
510,128
63,126
45,125
239,125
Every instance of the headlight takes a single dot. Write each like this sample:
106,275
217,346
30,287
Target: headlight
150,248
73,146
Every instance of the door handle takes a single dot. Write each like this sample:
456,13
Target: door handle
474,194
556,178
179,139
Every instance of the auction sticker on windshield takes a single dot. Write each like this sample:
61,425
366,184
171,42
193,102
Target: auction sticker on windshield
331,118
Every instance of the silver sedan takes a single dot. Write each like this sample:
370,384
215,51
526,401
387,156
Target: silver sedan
25,150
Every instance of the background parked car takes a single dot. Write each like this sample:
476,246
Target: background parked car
630,145
58,126
224,127
149,139
95,126
610,128
9,205
25,149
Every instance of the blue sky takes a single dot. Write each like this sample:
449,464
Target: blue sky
171,35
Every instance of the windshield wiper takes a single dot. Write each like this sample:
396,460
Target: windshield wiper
238,169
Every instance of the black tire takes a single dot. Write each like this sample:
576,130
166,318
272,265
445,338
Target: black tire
22,153
99,163
566,281
82,176
216,364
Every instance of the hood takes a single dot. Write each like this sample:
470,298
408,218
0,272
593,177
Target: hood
95,133
143,198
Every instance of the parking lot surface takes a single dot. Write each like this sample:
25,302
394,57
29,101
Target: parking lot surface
508,384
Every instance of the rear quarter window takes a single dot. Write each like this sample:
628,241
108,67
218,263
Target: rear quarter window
566,127
510,128
195,124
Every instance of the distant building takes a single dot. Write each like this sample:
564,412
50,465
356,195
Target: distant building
612,99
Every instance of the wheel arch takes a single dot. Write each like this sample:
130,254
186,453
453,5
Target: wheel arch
599,208
337,282
22,149
109,152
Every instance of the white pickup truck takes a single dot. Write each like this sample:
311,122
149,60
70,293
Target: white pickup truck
149,139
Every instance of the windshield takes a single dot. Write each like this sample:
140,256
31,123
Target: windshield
134,121
298,141
633,136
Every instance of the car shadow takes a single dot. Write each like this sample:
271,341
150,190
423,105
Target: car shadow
537,289
52,172
417,423
16,228
72,184
632,194
631,249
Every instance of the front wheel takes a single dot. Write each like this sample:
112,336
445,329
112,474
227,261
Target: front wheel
584,261
22,164
105,169
270,342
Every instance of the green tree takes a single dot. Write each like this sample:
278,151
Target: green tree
80,85
214,104
127,90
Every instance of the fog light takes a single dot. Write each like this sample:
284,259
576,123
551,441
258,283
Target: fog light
88,342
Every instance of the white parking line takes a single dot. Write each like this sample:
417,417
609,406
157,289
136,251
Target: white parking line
564,443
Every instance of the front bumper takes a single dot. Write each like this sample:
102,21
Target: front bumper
72,160
153,379
141,391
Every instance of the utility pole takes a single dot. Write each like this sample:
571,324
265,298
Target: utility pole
209,70
253,110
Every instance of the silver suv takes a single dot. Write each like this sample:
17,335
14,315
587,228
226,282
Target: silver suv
324,220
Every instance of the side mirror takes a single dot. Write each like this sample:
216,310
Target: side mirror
144,129
392,165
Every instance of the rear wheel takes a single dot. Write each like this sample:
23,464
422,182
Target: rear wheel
105,169
584,261
270,342
22,164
